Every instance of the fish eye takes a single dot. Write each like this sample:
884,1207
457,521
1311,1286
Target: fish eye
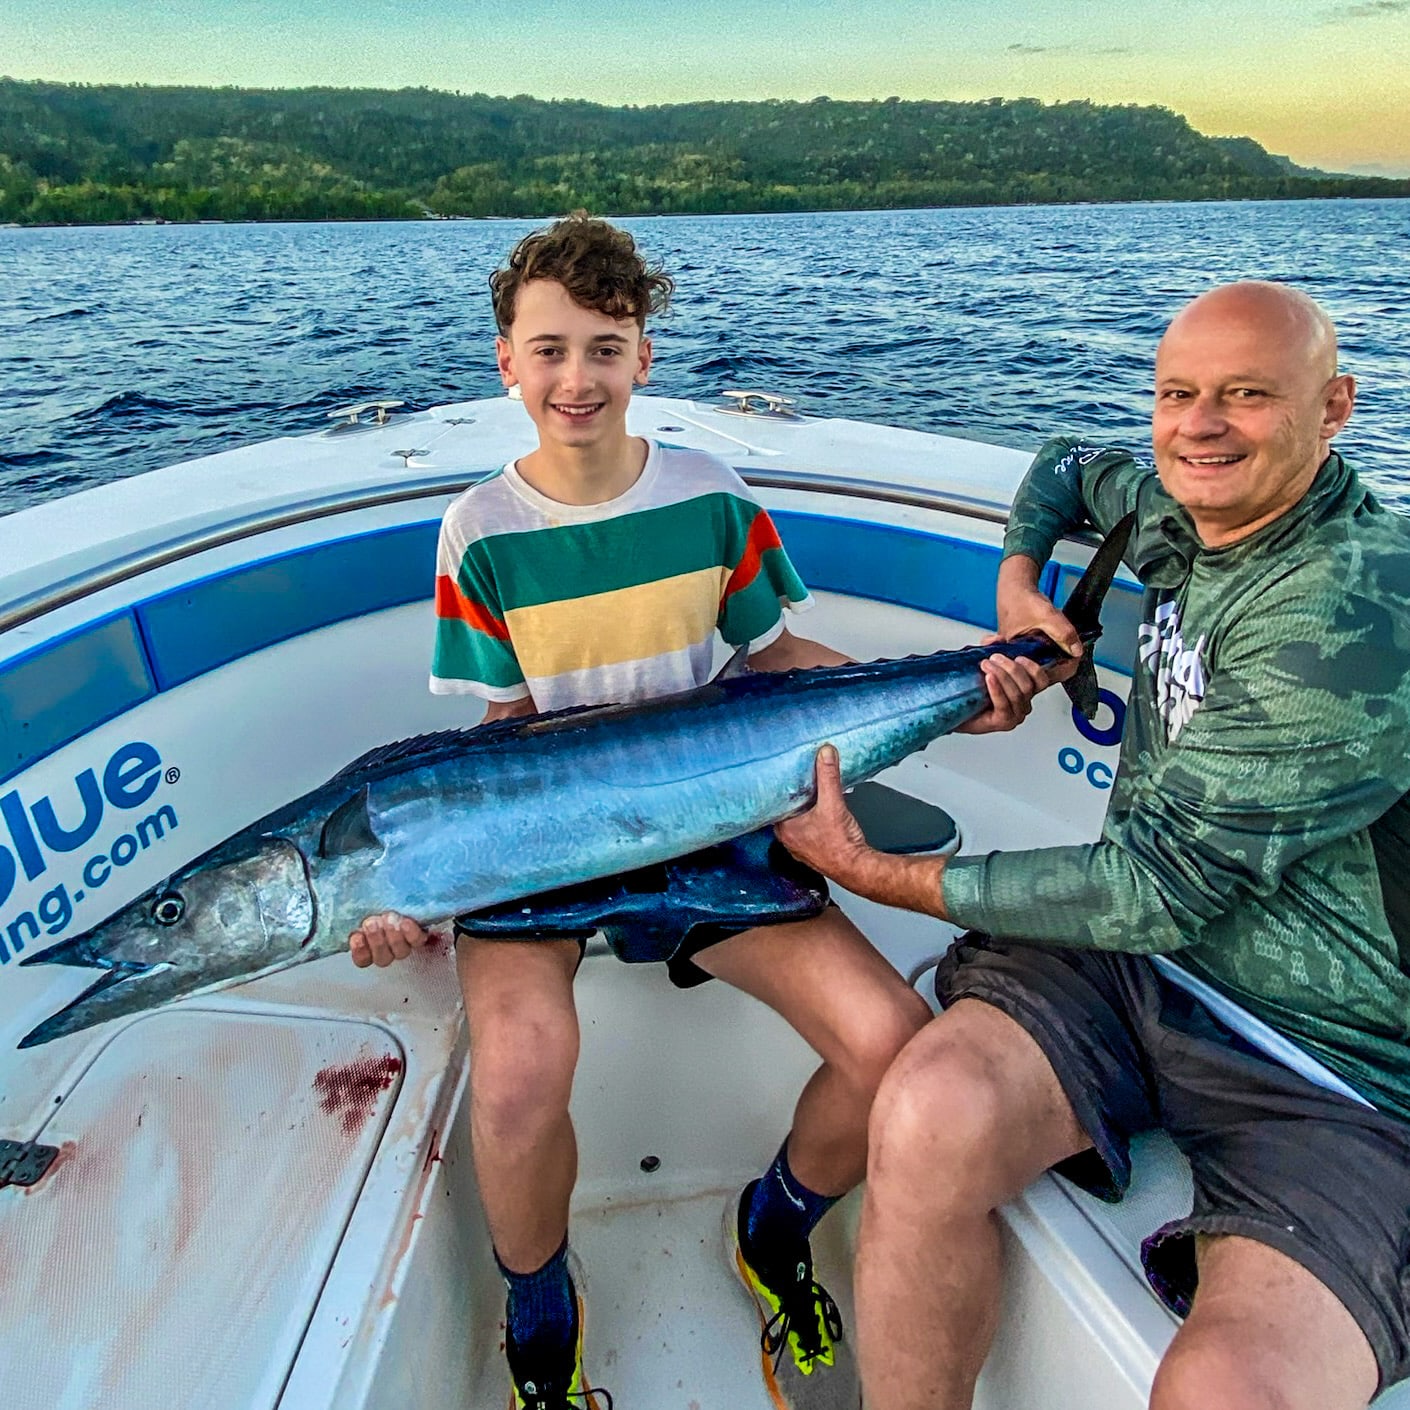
168,908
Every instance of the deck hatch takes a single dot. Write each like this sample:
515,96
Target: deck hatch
174,1253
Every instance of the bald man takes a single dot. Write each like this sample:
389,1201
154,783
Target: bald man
1228,962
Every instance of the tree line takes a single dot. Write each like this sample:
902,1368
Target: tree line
77,153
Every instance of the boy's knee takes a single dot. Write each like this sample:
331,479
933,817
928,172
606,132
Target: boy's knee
880,1034
521,1073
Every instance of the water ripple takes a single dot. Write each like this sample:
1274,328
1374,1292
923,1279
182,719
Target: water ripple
129,348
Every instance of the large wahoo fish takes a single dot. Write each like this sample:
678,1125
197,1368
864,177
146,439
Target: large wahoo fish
468,820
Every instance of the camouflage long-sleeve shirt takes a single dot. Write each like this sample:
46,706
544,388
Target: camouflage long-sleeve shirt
1258,822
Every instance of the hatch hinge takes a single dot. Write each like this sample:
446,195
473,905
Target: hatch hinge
25,1162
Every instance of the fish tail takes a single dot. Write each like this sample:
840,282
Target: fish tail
1083,609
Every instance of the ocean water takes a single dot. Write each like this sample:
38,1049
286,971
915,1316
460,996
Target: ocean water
125,349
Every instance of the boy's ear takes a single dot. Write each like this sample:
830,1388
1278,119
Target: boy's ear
504,356
642,375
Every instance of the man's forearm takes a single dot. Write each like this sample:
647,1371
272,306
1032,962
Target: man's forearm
908,883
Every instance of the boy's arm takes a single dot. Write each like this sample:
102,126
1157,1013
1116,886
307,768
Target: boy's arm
508,709
787,652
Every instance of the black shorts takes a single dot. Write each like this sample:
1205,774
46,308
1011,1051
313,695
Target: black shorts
680,964
1274,1157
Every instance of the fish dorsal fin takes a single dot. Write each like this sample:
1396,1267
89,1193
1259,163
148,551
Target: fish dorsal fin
737,665
405,753
349,828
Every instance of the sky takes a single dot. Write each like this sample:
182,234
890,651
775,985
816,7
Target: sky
1326,82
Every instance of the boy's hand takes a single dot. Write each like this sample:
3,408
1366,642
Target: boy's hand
381,939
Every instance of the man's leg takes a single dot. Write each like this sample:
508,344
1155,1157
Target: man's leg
969,1115
1263,1334
852,1008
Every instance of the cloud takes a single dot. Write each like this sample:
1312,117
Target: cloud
1117,49
1368,10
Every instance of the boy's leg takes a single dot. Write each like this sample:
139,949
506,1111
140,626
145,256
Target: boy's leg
523,1052
857,1013
851,1007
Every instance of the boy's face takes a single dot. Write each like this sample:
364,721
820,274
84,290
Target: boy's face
575,367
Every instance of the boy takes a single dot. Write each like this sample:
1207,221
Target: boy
597,569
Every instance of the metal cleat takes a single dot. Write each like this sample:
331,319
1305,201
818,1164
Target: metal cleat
759,404
351,415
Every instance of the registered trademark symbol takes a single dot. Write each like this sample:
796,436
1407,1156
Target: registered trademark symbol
172,775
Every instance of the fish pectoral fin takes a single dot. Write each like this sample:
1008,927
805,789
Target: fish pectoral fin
349,828
737,665
646,914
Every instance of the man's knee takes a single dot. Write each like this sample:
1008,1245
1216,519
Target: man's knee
1224,1367
972,1109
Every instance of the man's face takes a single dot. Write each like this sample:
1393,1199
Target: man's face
1245,405
575,368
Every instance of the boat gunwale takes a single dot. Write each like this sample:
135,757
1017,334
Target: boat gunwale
34,605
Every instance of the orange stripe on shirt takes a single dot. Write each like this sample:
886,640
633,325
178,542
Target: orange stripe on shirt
452,604
762,537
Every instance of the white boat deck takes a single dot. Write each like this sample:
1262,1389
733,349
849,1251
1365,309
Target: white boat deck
291,1221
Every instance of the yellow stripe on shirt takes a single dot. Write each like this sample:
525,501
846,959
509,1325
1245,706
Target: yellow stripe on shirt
629,624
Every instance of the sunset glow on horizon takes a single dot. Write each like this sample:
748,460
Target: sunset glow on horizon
1324,84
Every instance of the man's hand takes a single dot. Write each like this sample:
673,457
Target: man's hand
381,939
1023,608
1012,685
828,838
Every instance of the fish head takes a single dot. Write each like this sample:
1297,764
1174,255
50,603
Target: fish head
250,901
254,898
243,909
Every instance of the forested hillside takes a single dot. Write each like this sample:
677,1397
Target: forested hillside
93,153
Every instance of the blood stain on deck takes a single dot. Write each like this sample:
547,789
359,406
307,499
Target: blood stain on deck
351,1090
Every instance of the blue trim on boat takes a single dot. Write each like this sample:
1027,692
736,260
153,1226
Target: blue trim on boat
933,573
201,626
59,691
62,689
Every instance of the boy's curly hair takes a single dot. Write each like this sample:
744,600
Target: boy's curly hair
598,264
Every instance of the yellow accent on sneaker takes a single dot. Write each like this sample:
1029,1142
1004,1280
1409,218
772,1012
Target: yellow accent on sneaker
578,1390
796,1376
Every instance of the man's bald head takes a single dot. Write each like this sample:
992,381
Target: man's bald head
1287,317
1247,400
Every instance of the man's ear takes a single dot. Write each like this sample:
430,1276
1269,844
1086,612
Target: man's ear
504,357
1337,407
642,375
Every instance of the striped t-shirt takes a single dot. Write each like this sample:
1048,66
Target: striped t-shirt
605,603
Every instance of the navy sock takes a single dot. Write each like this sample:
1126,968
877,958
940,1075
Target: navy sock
781,1213
541,1309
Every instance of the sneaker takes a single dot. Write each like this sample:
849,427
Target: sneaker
806,1360
552,1383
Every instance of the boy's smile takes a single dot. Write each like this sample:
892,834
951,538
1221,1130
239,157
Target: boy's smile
575,368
